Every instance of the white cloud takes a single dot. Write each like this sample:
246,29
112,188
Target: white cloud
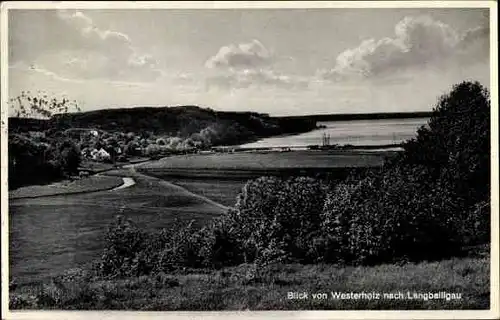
82,50
247,65
95,39
242,56
22,67
254,78
418,42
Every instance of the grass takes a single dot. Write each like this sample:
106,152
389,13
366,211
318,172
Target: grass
96,166
223,191
50,235
244,287
221,176
90,184
269,160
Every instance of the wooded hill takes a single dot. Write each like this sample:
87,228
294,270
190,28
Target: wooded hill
176,121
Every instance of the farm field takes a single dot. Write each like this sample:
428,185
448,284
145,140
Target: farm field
53,234
269,160
220,177
223,191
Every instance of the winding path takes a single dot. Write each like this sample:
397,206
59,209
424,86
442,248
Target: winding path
127,182
174,186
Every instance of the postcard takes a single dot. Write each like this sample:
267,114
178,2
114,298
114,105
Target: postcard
276,159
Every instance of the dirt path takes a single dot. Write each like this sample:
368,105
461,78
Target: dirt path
135,173
127,182
128,174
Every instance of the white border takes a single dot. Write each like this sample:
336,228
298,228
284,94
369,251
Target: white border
493,313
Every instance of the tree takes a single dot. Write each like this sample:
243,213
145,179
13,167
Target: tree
39,105
131,148
152,150
111,146
455,146
69,156
40,162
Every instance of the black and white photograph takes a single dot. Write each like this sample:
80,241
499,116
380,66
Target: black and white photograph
239,157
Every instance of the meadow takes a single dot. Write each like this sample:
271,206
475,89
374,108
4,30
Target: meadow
223,191
245,288
220,176
262,160
73,226
90,184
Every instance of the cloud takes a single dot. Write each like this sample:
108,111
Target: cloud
242,56
247,65
254,78
418,42
92,37
22,67
70,43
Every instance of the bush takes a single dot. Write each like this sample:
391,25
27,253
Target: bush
124,250
389,217
220,244
275,220
130,251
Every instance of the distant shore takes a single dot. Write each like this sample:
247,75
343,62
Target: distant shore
362,116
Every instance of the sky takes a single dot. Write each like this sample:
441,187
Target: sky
275,61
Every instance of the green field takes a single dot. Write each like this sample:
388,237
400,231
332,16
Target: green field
269,160
90,184
221,176
50,235
224,191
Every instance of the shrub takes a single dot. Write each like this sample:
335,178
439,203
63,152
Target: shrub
180,248
124,250
130,251
276,219
220,243
387,217
152,150
476,224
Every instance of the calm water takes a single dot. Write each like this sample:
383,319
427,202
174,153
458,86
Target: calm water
357,132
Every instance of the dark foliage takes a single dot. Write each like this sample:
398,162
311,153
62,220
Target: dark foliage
455,146
276,220
426,203
32,162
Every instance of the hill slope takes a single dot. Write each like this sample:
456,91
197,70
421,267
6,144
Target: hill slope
181,121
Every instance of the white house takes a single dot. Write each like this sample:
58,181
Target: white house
100,155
